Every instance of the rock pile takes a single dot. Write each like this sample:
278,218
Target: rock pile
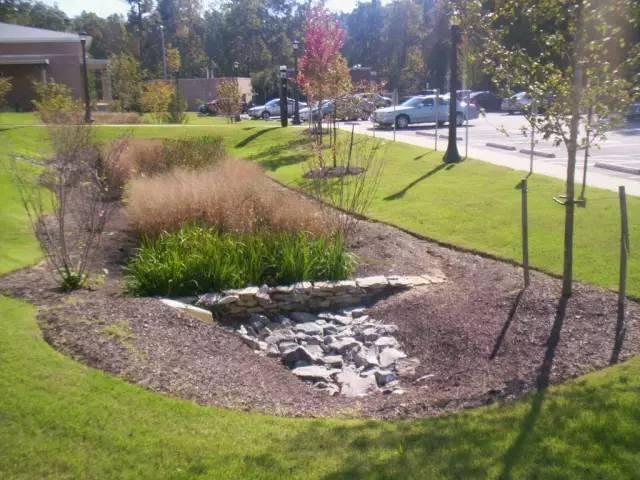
346,352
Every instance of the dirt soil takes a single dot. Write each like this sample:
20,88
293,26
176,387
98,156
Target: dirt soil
478,337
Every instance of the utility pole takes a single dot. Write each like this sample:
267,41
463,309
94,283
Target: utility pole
296,105
284,101
164,54
85,78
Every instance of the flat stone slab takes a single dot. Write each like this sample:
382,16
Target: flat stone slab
309,328
378,281
353,385
314,373
195,312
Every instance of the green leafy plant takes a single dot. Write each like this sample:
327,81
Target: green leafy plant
5,87
55,103
198,259
192,153
156,97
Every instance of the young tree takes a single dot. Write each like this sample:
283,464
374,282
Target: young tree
126,81
229,98
567,55
156,97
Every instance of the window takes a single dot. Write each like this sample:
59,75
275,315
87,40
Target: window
428,102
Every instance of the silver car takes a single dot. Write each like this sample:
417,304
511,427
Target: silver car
422,109
272,108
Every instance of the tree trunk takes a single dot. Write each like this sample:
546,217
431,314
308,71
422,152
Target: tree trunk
572,150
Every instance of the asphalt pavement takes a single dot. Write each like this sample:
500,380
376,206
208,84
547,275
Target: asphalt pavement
498,138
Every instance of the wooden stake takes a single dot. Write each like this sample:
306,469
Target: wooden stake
624,251
525,233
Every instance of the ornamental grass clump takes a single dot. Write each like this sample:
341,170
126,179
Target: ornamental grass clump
231,196
198,259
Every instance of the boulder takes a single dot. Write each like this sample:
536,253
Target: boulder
279,336
303,317
406,367
389,356
366,357
383,377
387,342
309,328
345,344
335,361
252,342
292,356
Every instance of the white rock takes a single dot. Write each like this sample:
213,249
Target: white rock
195,312
387,342
353,385
315,373
388,357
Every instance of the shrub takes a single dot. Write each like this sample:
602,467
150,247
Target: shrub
194,153
68,215
177,109
233,196
148,157
156,97
56,105
5,87
117,118
126,82
196,260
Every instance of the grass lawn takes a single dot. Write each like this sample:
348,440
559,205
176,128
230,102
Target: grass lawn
59,419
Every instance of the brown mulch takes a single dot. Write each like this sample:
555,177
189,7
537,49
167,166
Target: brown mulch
478,337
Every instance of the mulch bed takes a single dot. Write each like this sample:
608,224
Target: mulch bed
478,336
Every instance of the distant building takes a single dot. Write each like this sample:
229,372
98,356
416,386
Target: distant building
32,54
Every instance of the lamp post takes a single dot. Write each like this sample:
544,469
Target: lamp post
236,66
284,107
452,155
296,105
85,78
164,54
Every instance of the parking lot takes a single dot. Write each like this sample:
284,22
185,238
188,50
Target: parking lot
617,158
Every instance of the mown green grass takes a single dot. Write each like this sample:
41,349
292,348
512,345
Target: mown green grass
59,419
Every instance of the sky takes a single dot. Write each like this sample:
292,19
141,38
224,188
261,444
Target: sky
104,8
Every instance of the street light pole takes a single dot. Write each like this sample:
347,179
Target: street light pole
164,54
296,108
85,79
284,101
452,155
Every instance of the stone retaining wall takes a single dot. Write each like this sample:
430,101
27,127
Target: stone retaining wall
309,296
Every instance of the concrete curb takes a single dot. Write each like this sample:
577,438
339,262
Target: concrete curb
618,168
501,146
538,154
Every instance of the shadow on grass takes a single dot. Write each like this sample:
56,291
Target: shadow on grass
281,155
401,193
254,136
515,452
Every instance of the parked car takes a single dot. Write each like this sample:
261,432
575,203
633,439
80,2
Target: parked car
489,101
520,102
272,108
422,109
210,108
633,112
316,113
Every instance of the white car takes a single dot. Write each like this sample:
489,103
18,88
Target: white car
422,109
272,108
